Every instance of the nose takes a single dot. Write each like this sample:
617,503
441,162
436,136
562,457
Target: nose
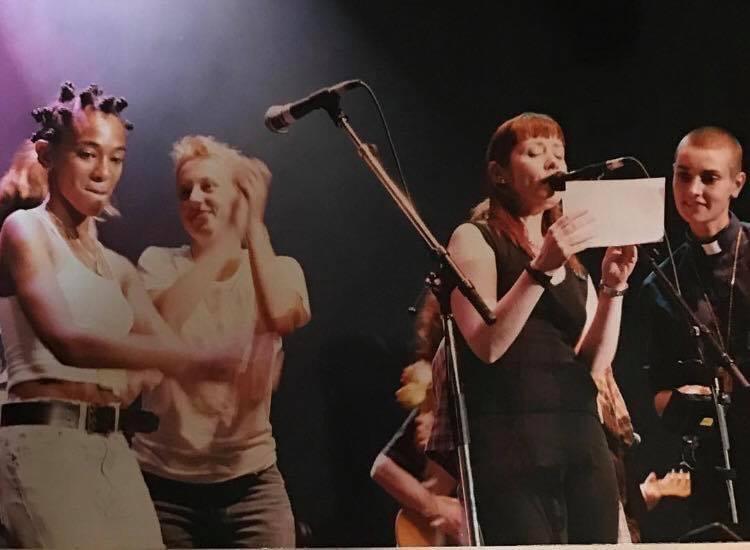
695,186
196,194
554,164
102,170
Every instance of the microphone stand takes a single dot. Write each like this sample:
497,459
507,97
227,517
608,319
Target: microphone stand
455,278
720,400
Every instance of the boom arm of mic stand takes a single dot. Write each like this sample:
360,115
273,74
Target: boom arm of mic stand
405,205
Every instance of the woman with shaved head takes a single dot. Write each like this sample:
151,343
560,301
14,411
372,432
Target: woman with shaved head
712,270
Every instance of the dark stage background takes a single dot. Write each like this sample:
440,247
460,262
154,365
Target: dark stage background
621,77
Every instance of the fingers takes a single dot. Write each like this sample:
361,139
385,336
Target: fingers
630,253
255,175
569,223
623,254
579,239
429,483
437,522
153,378
693,389
14,186
572,216
574,231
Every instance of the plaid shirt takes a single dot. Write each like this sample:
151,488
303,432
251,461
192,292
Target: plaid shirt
442,440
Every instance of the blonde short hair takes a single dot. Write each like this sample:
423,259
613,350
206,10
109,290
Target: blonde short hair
204,147
713,137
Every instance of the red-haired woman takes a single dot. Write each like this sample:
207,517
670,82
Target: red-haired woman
542,469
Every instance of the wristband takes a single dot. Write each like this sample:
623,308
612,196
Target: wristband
611,292
540,277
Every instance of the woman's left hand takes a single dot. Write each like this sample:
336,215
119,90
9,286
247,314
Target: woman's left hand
617,265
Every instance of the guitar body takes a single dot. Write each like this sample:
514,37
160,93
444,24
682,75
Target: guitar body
413,530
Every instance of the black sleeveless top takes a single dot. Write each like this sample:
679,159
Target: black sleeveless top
538,397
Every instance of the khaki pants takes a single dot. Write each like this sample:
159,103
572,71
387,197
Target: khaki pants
65,488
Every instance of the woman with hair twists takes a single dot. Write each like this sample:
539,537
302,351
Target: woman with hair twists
81,340
542,469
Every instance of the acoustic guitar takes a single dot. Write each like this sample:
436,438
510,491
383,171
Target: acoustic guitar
414,530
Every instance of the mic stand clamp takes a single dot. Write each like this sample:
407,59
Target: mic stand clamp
449,272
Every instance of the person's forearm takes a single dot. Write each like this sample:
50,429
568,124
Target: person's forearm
403,487
133,352
600,343
280,306
490,342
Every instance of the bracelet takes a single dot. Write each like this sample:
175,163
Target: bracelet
540,277
611,292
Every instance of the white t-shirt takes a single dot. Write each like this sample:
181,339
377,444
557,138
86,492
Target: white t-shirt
96,305
212,431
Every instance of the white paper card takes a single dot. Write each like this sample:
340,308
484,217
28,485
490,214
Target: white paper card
625,211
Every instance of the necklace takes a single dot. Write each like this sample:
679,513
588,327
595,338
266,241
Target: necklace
730,311
94,259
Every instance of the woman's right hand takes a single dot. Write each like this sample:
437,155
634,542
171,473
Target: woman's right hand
138,381
220,364
569,235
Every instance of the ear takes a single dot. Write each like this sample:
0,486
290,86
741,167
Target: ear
496,172
739,182
43,153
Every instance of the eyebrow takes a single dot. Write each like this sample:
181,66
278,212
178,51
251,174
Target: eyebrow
98,146
184,182
541,141
683,168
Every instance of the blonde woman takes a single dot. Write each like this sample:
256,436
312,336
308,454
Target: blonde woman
211,466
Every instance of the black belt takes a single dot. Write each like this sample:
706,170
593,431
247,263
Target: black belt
100,419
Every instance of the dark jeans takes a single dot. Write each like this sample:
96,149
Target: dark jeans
554,506
573,503
250,511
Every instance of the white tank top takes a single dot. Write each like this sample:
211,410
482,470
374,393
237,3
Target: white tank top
96,304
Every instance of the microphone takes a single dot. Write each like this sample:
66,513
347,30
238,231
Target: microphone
557,181
279,117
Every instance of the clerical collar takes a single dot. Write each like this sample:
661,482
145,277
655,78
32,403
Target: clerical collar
719,243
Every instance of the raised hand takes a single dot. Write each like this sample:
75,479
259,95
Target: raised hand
26,180
252,183
617,265
569,235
